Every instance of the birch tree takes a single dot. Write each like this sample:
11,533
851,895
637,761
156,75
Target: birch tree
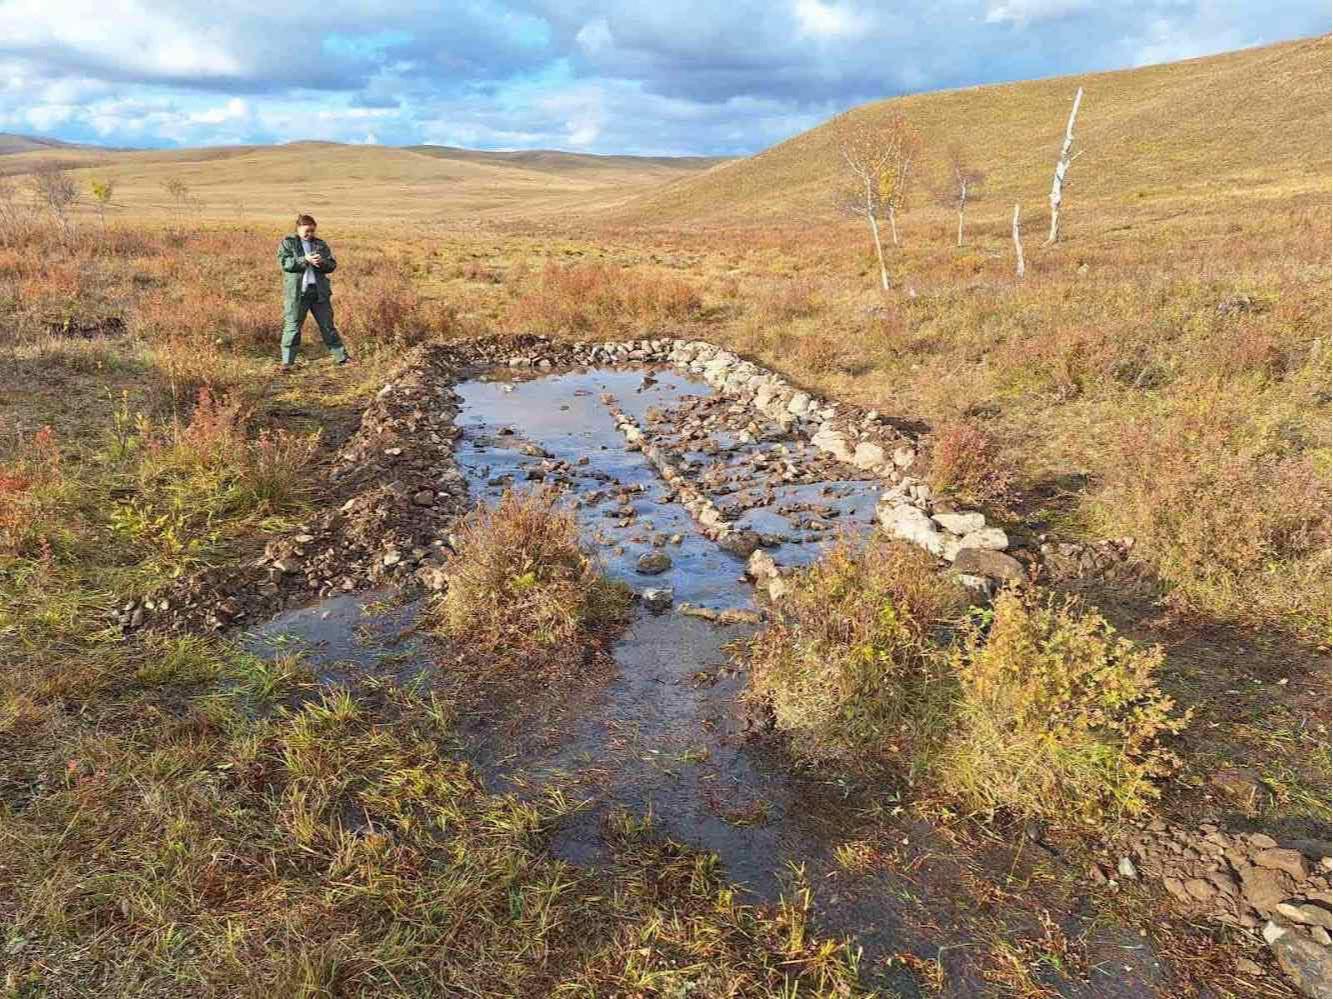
878,157
1062,168
963,184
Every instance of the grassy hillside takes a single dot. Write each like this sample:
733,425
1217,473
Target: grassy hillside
1256,119
366,184
559,161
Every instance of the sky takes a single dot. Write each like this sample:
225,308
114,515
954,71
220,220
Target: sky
651,77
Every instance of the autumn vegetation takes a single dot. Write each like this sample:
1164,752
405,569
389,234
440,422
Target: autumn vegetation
1162,373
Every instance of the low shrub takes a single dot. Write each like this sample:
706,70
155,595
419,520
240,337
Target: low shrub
522,578
1057,716
596,298
968,460
848,665
384,309
192,474
1232,517
30,486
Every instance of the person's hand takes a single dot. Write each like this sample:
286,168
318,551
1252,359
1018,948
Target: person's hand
315,259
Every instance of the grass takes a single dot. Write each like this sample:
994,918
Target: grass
1034,707
520,576
1162,372
1058,717
849,668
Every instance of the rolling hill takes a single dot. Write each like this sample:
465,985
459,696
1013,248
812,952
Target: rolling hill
1253,119
358,183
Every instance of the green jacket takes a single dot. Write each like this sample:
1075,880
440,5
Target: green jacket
291,258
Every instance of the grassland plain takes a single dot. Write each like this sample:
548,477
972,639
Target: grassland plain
175,816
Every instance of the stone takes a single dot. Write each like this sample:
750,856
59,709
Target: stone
1242,784
424,498
1263,887
760,566
911,524
903,456
1200,889
287,566
1306,913
392,558
835,443
1126,869
742,543
986,562
1306,962
961,523
868,456
988,537
658,599
981,584
653,563
778,587
799,404
1289,861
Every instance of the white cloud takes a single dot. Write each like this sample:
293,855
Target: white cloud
595,36
234,110
142,38
1025,12
819,19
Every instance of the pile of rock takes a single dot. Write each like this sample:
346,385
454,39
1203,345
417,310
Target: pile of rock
976,552
1249,881
404,493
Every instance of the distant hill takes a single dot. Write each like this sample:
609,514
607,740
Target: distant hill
11,142
1254,118
558,161
362,183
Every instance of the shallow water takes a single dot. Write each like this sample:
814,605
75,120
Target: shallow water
668,733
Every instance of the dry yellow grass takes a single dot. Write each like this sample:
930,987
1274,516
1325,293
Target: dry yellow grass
353,184
1255,121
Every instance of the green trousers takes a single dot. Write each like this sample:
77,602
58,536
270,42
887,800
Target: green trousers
294,318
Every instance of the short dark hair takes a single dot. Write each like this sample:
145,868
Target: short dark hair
306,220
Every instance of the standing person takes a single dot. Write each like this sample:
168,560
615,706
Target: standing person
306,263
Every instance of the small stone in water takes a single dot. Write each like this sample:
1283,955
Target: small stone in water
652,563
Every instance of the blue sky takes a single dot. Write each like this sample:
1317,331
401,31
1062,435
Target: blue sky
663,77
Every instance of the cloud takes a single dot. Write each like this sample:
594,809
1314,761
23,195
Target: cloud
692,76
819,19
1024,12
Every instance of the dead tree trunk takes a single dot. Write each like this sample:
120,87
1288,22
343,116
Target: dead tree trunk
1062,168
1018,244
962,204
893,224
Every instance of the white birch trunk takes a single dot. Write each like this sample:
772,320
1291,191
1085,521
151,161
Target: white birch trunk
893,224
1018,244
962,204
879,252
1062,168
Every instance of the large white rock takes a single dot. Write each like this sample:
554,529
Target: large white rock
991,538
868,456
834,442
912,525
961,523
798,404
